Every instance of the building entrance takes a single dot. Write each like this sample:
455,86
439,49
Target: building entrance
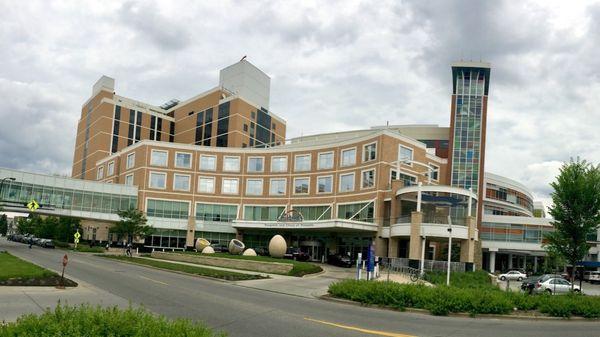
314,248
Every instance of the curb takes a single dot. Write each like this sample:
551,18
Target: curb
458,315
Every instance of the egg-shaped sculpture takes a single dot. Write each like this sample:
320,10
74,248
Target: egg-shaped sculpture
208,250
249,252
236,247
201,243
277,246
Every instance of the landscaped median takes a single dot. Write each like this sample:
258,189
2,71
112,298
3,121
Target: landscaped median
262,264
200,271
17,272
468,296
97,321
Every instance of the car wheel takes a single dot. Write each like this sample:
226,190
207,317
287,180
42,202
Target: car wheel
549,291
520,279
502,278
577,290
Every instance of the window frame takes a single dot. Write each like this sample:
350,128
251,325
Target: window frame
412,154
184,167
230,178
207,178
175,175
309,155
437,170
332,160
150,180
286,164
284,188
161,151
110,169
353,174
262,186
362,187
342,156
364,148
307,190
239,163
207,156
332,184
100,172
255,157
130,155
132,179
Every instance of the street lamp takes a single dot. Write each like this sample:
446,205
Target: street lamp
449,249
2,184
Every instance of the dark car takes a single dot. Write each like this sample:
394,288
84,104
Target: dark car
220,248
340,260
529,284
296,254
46,243
262,251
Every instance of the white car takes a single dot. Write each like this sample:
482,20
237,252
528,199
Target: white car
555,286
512,275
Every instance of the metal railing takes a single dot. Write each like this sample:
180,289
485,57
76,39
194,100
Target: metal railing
401,265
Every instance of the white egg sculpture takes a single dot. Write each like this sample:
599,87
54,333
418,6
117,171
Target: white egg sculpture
202,243
236,247
249,252
208,250
277,246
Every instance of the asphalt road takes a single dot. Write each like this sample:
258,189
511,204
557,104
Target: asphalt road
242,311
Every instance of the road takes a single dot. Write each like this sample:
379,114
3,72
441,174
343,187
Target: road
242,311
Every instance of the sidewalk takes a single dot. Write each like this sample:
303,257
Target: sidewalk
17,301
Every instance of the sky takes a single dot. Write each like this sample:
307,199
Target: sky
334,66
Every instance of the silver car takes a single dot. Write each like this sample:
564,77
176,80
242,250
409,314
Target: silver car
512,275
555,286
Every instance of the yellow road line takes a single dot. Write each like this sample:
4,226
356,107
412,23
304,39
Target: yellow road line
372,332
149,279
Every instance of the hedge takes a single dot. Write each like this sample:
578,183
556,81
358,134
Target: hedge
442,300
65,321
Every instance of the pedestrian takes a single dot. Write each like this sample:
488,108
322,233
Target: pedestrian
30,242
128,251
107,245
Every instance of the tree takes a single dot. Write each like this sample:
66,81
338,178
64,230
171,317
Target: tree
132,225
3,224
576,211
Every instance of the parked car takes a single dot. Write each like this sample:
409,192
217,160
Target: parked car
591,276
340,260
513,275
262,251
557,285
529,283
296,254
46,243
220,248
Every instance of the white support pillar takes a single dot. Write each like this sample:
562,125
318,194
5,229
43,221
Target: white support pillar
423,241
510,261
492,262
419,196
470,201
535,264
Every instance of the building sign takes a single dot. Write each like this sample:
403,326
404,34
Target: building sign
291,216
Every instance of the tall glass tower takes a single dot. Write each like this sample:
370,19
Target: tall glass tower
470,84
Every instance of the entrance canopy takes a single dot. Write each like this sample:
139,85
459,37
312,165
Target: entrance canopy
340,225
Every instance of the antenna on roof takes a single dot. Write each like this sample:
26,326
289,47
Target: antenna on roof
243,58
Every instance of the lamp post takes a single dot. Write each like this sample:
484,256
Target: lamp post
449,250
2,184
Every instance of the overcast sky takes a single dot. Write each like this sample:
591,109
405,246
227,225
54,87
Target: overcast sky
333,67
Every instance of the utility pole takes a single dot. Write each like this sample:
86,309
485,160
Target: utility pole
449,250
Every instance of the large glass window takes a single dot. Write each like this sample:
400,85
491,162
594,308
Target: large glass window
301,185
370,152
254,186
325,161
368,179
314,212
230,186
208,163
111,169
325,184
130,160
363,211
181,182
256,164
231,164
206,184
302,163
347,182
348,157
158,180
405,154
263,213
216,212
100,173
183,160
129,179
159,158
167,209
278,164
277,186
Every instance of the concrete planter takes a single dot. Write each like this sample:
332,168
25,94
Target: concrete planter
259,266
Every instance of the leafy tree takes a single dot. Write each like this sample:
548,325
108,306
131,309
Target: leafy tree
576,211
25,225
65,228
132,225
3,224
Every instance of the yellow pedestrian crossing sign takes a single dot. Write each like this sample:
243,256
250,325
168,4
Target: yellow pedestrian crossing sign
33,205
77,235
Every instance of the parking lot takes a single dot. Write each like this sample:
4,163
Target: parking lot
587,288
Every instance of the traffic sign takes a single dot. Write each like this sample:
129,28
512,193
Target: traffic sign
65,260
33,205
77,235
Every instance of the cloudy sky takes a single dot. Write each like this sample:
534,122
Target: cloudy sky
333,67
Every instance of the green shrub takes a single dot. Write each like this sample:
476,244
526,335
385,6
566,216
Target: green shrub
476,279
65,321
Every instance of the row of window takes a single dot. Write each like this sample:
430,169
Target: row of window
254,186
362,211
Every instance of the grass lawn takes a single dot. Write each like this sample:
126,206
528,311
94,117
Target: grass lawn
207,272
299,268
13,267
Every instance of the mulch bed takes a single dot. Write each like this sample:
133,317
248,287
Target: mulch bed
50,281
